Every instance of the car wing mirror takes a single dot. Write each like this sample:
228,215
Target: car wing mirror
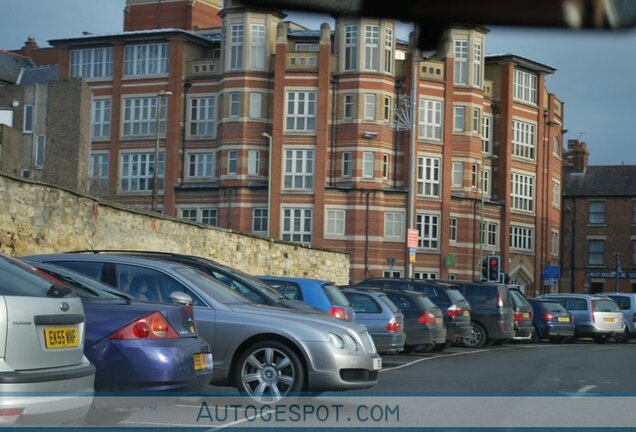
181,298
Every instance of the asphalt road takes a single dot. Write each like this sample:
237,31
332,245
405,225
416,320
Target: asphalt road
542,385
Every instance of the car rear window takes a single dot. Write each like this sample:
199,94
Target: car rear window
425,302
454,295
603,305
623,302
482,295
402,302
553,306
335,296
17,279
518,299
363,303
389,303
574,304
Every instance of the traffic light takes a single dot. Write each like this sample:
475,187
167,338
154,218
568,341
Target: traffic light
484,269
493,268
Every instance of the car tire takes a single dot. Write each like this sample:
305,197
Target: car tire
478,337
534,338
408,349
427,347
269,371
556,339
624,338
601,339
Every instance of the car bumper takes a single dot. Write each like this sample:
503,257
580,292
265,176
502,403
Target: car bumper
590,330
458,330
149,365
558,330
502,330
424,334
66,395
334,369
523,332
389,342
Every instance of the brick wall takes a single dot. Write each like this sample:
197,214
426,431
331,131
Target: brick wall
36,218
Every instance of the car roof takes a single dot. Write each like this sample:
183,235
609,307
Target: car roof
389,290
114,258
295,279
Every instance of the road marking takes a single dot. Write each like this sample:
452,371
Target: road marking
431,358
586,388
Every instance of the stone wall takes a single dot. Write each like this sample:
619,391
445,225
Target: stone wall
37,218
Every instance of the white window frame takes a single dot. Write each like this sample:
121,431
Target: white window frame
259,220
556,147
431,119
453,229
474,175
372,48
256,105
232,162
489,234
237,33
460,61
351,47
385,165
137,168
140,116
596,217
369,106
476,120
424,275
525,86
349,106
458,175
347,164
39,151
486,131
201,215
477,64
556,193
297,224
387,108
429,175
98,166
200,165
300,111
28,121
522,192
554,243
257,46
253,162
394,224
485,181
335,222
368,165
524,139
459,118
388,50
101,118
91,63
428,226
235,104
146,59
521,238
595,257
299,169
202,117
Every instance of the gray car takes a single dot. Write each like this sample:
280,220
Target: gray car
380,315
627,303
267,352
596,317
41,349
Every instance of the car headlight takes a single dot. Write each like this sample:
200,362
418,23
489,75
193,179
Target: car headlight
343,341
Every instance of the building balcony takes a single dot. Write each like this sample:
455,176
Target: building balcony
302,61
432,70
204,68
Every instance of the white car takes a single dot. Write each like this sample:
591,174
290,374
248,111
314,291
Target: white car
44,376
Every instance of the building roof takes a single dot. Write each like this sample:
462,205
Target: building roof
10,66
137,34
521,61
39,75
601,180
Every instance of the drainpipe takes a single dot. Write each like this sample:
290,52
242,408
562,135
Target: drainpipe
334,116
186,86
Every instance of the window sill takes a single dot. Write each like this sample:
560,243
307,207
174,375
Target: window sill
590,225
145,76
523,159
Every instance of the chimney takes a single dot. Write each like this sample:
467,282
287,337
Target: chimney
578,155
29,46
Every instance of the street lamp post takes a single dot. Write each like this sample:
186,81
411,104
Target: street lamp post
481,216
269,181
155,167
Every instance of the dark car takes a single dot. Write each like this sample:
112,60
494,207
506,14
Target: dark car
492,314
319,294
455,307
248,286
382,318
524,327
423,320
551,321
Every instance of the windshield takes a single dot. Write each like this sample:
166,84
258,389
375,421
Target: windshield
211,286
553,306
335,296
84,286
603,305
19,279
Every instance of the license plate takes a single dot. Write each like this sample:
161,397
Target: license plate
377,363
438,320
526,315
202,361
466,313
564,319
610,320
61,337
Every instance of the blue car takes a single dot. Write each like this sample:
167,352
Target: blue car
134,345
320,294
551,321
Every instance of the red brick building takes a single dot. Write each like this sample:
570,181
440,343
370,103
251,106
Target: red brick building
599,225
303,135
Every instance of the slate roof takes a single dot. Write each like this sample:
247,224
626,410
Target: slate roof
90,38
39,75
602,180
522,61
10,66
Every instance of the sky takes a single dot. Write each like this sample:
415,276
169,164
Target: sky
595,78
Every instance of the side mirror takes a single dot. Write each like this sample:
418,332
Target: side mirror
180,298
